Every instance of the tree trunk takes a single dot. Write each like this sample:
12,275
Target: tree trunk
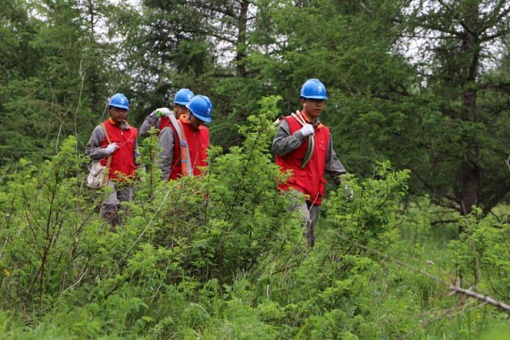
469,69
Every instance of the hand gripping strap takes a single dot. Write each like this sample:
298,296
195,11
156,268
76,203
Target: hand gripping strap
311,141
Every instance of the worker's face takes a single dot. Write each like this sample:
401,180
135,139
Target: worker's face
180,110
118,115
195,122
312,107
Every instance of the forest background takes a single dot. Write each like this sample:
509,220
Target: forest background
419,109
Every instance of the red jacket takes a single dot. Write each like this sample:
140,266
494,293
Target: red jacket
310,180
123,159
198,143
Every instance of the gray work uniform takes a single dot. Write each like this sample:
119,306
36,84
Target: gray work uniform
283,143
166,159
120,193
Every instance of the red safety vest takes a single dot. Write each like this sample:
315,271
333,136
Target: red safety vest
310,180
198,143
164,122
123,159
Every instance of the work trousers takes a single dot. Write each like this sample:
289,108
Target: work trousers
308,212
109,209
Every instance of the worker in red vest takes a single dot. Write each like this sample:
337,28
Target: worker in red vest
114,143
185,141
159,118
303,146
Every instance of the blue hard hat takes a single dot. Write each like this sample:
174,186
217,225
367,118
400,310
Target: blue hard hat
313,89
201,107
183,96
208,101
120,101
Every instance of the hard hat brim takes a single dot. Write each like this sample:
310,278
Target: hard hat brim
181,103
315,97
202,118
120,106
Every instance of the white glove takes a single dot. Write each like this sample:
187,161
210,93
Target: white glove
163,112
349,193
111,148
307,130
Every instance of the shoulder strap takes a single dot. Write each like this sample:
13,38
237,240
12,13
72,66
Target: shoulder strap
311,141
186,167
105,133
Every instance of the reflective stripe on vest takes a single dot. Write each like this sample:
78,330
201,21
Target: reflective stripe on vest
186,168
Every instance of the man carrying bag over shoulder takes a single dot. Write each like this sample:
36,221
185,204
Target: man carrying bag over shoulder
115,139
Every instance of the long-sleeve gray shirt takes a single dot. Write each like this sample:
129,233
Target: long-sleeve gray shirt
96,152
166,144
284,142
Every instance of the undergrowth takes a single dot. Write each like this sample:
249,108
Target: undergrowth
220,256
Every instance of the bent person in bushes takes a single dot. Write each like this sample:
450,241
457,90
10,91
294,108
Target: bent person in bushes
184,143
158,119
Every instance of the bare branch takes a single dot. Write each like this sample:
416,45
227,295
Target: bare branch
484,298
455,289
76,283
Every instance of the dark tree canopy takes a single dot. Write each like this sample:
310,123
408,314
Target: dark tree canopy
423,84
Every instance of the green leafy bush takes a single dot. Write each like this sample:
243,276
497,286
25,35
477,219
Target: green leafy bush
220,255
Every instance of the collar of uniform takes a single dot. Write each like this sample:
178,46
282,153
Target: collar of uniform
184,118
124,126
316,124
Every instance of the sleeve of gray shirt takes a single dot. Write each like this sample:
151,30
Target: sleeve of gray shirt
152,120
137,155
284,142
166,143
333,165
93,148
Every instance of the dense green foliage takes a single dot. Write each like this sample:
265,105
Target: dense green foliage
220,257
419,112
423,84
